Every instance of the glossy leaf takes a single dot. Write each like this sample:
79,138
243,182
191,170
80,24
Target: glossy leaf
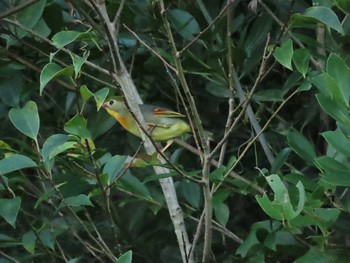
51,71
334,172
47,239
78,62
340,72
48,194
53,146
329,87
14,163
222,213
280,160
114,167
301,146
125,258
26,119
314,255
100,97
339,141
191,192
10,89
78,126
252,240
133,184
269,95
334,109
184,23
281,208
284,54
9,209
301,58
75,201
85,93
326,16
64,38
28,241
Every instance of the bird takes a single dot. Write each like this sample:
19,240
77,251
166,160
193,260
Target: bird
163,124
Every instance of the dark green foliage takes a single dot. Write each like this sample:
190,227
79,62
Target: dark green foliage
75,187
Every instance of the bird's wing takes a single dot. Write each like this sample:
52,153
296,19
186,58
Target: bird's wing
160,112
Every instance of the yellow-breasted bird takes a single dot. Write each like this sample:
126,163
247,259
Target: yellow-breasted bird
163,124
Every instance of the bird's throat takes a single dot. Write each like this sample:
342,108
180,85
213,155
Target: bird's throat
123,121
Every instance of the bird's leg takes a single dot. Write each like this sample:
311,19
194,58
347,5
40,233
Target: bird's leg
168,143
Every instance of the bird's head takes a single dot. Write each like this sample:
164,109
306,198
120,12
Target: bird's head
114,104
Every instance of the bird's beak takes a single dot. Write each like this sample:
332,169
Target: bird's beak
104,105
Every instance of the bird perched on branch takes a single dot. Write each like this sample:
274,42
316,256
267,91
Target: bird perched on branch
163,124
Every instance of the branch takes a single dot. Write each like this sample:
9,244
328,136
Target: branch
203,138
18,8
255,138
133,100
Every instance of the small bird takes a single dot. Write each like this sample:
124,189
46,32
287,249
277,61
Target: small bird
163,124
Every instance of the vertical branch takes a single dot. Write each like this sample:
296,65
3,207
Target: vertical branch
203,138
133,100
230,83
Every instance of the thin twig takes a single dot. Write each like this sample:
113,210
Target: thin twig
150,49
210,26
255,138
17,8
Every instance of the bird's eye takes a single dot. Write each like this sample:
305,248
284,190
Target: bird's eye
111,102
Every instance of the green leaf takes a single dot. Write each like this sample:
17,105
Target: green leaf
26,119
48,194
308,183
47,239
301,59
220,196
184,23
27,17
306,85
326,16
344,5
114,167
340,72
217,174
284,54
125,258
42,29
324,218
134,185
9,209
334,172
85,93
222,213
100,96
54,145
314,255
15,162
11,87
281,208
78,126
301,146
334,109
64,38
51,71
79,200
280,160
339,141
78,62
252,240
269,95
192,192
28,241
329,87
